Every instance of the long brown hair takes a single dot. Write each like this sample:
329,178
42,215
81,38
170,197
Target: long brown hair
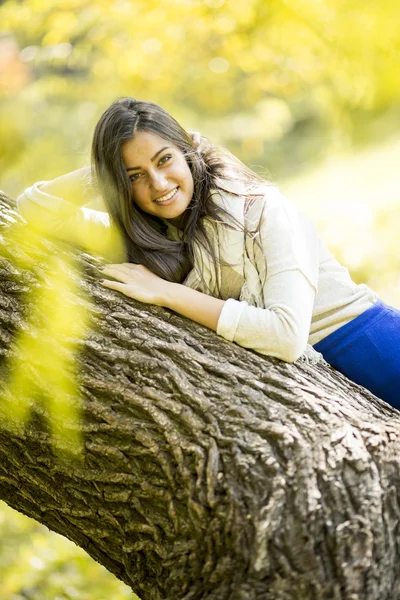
145,235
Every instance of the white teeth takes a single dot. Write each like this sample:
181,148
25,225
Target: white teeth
167,196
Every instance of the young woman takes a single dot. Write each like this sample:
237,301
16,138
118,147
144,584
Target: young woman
204,236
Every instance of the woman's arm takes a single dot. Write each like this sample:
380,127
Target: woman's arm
279,330
286,257
54,208
289,247
282,327
138,282
194,305
76,187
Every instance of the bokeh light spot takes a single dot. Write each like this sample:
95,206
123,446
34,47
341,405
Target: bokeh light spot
151,45
219,65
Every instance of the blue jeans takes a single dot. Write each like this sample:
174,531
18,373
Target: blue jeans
367,350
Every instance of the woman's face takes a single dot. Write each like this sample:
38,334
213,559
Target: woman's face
162,183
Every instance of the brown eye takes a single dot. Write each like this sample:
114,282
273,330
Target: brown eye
135,177
165,159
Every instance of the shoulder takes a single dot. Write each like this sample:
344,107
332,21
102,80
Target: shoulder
269,204
235,196
250,204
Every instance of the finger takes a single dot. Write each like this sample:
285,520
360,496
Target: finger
126,268
118,274
124,264
127,290
134,268
196,137
118,267
113,285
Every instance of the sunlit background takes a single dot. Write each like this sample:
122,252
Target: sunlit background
306,91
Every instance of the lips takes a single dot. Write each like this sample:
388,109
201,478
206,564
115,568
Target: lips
167,197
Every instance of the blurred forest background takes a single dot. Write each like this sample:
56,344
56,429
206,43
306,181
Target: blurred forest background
304,90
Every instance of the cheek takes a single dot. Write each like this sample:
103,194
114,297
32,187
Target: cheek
187,176
139,195
191,182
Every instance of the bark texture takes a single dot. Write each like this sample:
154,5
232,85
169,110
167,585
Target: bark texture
210,472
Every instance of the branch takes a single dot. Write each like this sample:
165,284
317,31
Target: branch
209,472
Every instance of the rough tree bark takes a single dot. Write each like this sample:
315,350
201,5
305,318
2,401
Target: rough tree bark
210,472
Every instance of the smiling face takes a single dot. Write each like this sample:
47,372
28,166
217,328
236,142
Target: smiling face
162,183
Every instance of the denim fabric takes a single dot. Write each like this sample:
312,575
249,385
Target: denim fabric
367,350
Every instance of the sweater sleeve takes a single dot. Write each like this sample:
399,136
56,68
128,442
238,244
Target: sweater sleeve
288,262
85,227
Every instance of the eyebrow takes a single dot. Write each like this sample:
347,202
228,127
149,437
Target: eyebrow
154,158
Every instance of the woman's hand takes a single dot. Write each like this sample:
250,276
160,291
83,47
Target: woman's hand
136,281
196,137
200,143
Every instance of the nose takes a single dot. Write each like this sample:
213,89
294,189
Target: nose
159,181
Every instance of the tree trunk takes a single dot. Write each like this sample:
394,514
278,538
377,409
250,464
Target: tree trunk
210,472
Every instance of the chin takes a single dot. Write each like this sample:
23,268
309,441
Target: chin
177,211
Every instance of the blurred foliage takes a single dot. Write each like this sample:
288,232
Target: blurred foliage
280,83
293,87
354,199
36,564
57,320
